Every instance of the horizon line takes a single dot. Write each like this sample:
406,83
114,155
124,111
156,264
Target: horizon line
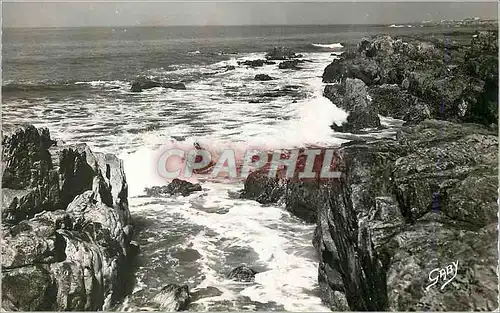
241,25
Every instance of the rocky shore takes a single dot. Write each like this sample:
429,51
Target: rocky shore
66,225
414,203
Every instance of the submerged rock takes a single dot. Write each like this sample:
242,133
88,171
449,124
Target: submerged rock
352,96
242,274
143,83
291,64
177,186
173,298
263,77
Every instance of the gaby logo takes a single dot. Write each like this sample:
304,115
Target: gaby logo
445,274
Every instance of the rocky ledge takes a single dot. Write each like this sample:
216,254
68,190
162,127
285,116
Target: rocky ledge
407,205
413,79
65,224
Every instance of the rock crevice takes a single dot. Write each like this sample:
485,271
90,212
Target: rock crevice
65,223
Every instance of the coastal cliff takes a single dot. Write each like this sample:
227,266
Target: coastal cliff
407,205
66,225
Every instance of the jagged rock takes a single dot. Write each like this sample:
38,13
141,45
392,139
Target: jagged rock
172,298
290,64
29,288
178,85
455,81
263,189
437,180
177,186
263,77
380,46
255,63
67,224
243,274
390,100
281,53
352,96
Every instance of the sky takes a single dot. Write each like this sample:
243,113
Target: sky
114,13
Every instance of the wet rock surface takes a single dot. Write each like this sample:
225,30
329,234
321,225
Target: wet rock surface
172,298
255,63
143,83
263,77
242,274
290,64
65,224
454,79
176,187
281,53
352,96
402,208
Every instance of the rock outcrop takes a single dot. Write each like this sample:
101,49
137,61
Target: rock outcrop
414,78
242,274
281,53
404,207
172,298
255,63
290,64
352,96
176,186
262,77
65,224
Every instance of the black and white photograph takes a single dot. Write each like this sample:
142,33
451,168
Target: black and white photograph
301,156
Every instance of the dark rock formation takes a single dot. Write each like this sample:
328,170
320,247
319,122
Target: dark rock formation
172,298
263,77
207,292
65,224
243,274
143,83
255,63
394,101
290,64
281,53
403,208
446,80
352,96
177,186
374,221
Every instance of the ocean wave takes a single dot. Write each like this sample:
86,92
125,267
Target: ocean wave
329,46
399,26
15,87
63,86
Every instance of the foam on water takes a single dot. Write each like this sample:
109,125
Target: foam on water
282,243
329,46
284,254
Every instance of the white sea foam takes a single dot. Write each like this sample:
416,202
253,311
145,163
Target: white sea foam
399,26
329,46
290,275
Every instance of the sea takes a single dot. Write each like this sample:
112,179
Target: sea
76,82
